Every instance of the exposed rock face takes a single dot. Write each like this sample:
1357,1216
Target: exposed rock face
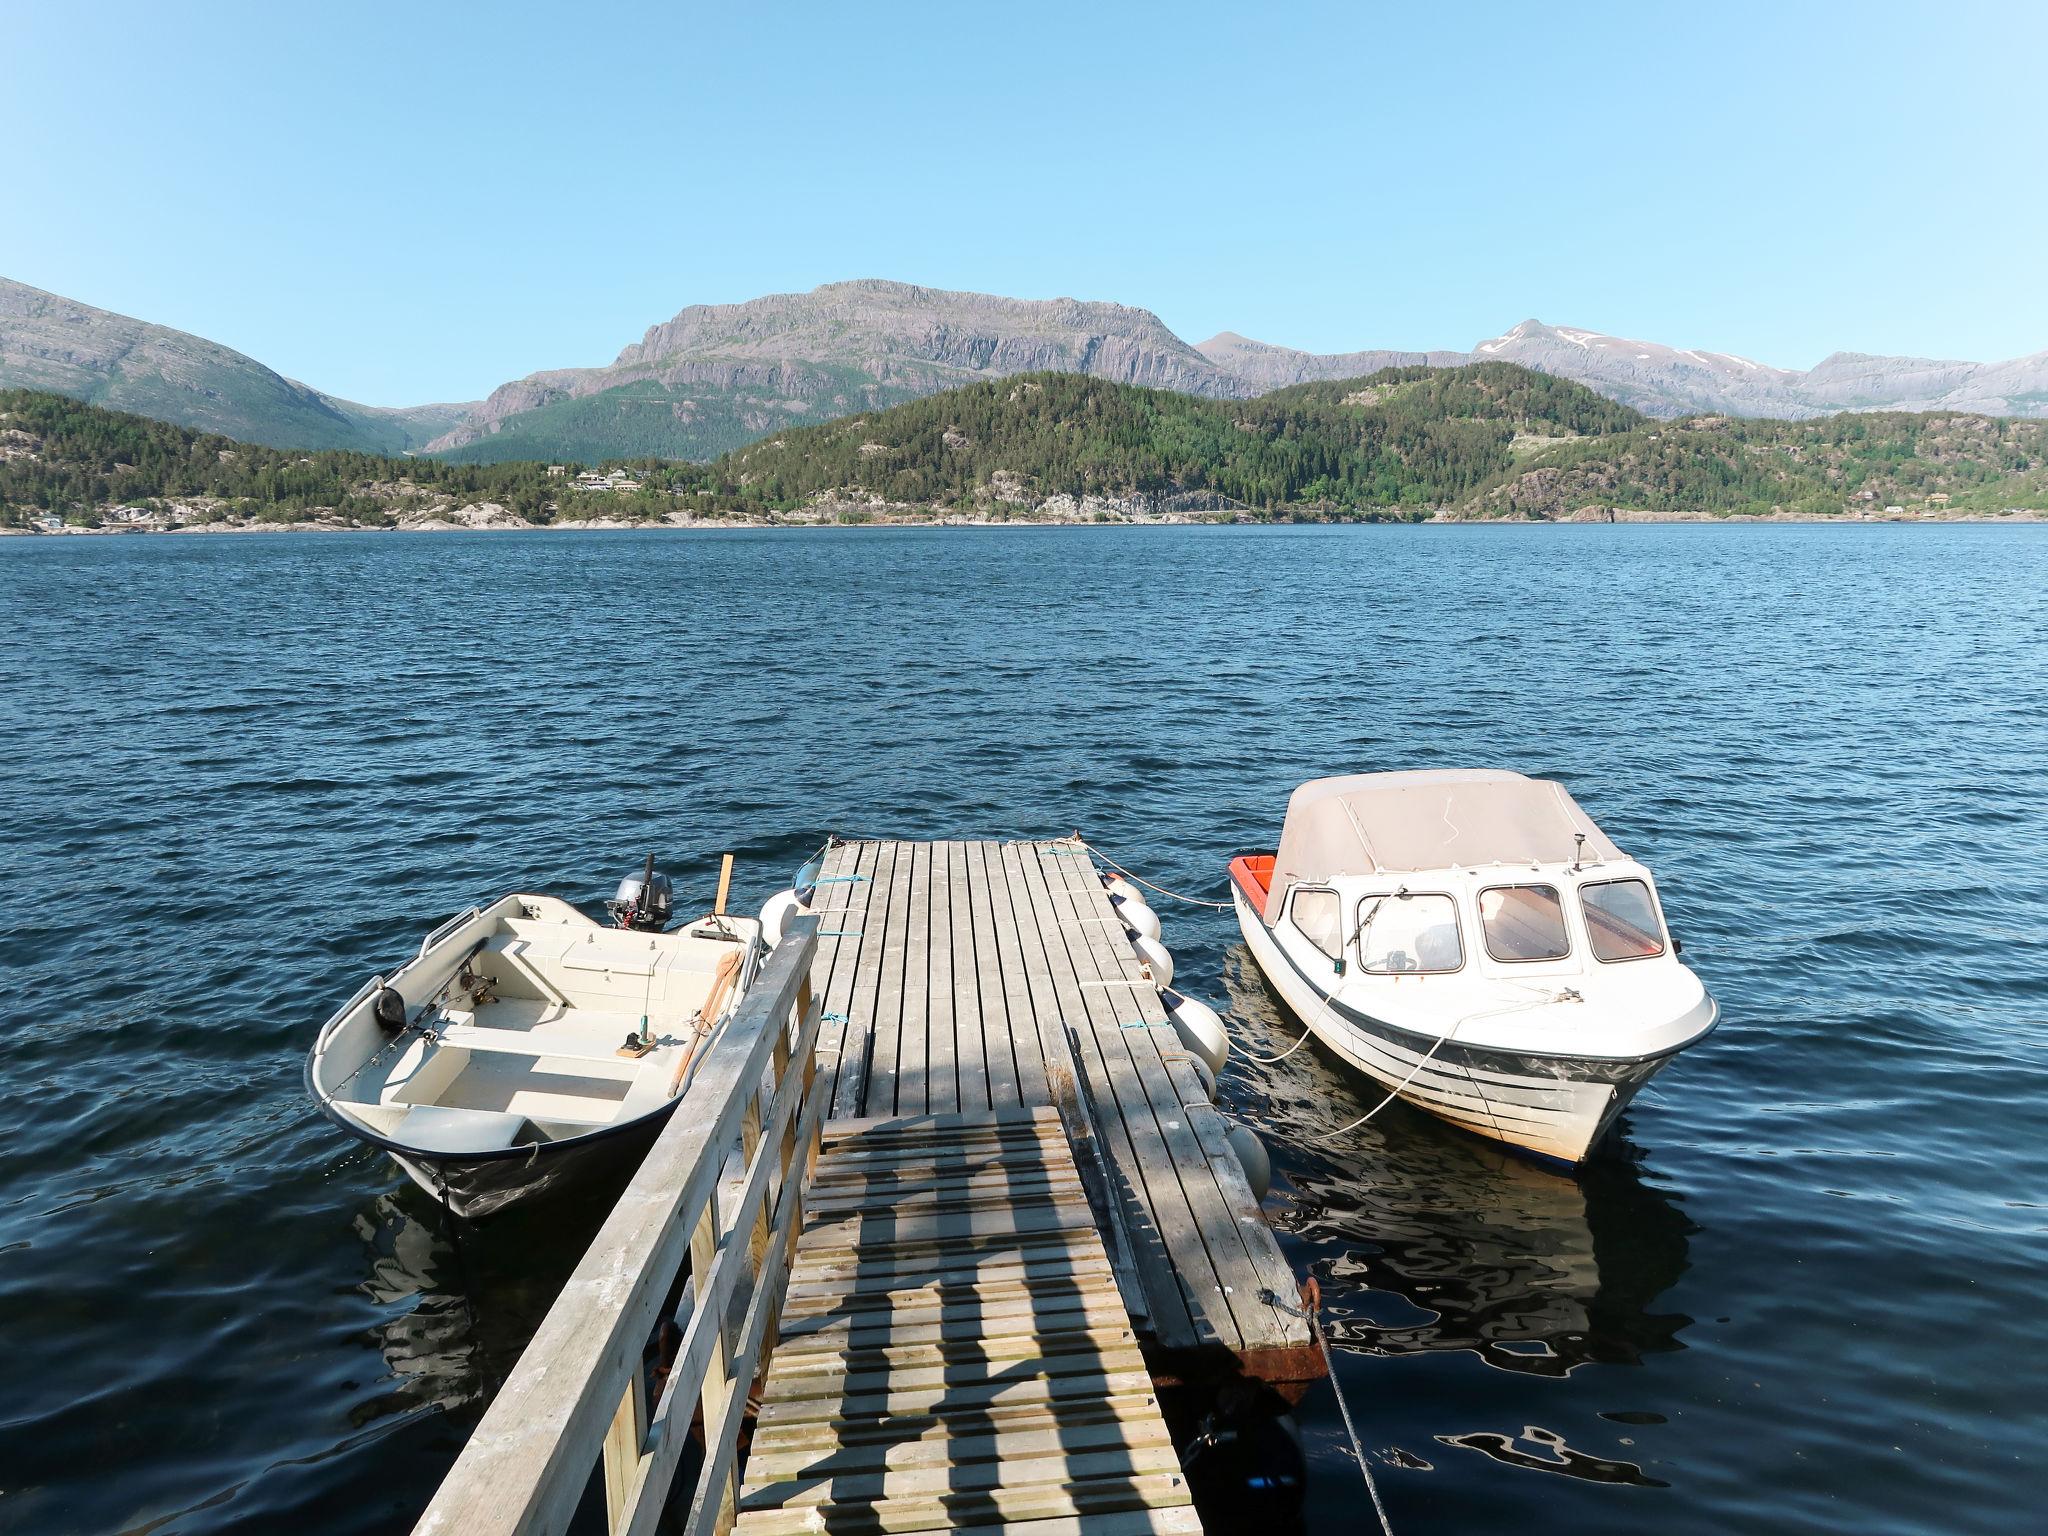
720,375
53,343
1676,381
1260,366
850,346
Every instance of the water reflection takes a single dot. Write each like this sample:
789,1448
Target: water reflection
462,1298
1427,1240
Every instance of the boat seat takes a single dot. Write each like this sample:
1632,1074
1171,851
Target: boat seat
437,1128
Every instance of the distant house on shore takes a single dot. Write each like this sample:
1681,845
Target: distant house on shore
557,471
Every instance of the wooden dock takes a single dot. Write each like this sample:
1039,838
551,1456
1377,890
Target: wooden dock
954,1353
960,977
949,1193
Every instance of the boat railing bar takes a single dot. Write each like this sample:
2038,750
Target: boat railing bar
445,929
721,1190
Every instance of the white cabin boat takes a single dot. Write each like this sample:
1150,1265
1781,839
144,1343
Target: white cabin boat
1470,940
526,1043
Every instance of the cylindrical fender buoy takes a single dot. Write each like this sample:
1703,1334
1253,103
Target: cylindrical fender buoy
1200,1029
1137,916
1158,959
776,912
1121,889
1201,1071
1251,1153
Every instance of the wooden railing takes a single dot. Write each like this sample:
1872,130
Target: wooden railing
721,1189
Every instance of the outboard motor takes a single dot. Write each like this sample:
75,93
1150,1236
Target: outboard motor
645,902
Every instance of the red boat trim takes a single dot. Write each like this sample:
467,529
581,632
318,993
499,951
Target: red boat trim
1253,874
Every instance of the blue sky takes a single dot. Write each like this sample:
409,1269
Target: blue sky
403,203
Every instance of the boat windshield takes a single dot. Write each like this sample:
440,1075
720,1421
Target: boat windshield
1621,920
1523,922
1405,932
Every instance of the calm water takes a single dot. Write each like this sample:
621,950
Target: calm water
1800,1292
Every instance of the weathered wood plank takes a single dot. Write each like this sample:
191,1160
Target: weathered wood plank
1059,1464
1161,1227
1247,1264
942,1043
842,909
975,1507
937,1444
913,1047
989,1372
962,975
960,1397
885,1054
1012,965
931,1431
849,1089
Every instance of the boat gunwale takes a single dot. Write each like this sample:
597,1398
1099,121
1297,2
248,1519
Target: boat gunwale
530,1151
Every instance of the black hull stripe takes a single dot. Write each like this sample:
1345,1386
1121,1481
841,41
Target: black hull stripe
1513,1065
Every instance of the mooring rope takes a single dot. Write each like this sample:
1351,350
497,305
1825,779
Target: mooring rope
1314,1298
1196,901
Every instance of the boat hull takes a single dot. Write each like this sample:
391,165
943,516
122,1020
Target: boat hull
1555,1108
481,1184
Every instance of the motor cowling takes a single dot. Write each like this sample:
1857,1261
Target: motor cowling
645,901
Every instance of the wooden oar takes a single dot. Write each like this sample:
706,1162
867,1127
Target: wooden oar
707,1016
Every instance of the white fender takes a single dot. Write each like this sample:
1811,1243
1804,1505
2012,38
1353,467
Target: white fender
1137,916
1251,1152
1200,1029
776,912
1157,958
1121,889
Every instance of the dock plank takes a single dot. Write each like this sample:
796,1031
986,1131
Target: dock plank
885,1051
1025,1048
934,1408
986,976
1132,1021
963,977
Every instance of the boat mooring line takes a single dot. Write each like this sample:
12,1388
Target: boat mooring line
1196,901
1312,1294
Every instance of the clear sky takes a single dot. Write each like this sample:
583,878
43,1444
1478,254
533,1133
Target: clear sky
412,202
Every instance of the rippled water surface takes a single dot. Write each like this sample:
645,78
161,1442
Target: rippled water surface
1800,1291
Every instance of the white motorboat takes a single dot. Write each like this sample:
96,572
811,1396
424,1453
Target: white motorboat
1470,940
527,1043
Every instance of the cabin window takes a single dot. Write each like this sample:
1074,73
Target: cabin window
1319,920
1523,922
1404,932
1621,920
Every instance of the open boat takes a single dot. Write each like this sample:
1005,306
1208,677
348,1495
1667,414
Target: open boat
527,1043
1471,941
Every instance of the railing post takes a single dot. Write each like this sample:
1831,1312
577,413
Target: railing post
623,1449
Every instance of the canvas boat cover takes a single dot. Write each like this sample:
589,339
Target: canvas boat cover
1366,823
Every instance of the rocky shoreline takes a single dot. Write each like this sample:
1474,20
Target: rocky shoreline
499,520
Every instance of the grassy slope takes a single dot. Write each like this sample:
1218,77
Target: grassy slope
647,419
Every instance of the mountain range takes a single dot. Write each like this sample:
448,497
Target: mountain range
716,377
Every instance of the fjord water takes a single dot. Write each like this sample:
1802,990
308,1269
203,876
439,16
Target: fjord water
1800,1291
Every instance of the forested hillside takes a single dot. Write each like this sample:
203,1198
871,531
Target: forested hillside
1404,440
1487,440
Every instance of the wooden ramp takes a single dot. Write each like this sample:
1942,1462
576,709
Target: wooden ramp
953,1351
964,977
